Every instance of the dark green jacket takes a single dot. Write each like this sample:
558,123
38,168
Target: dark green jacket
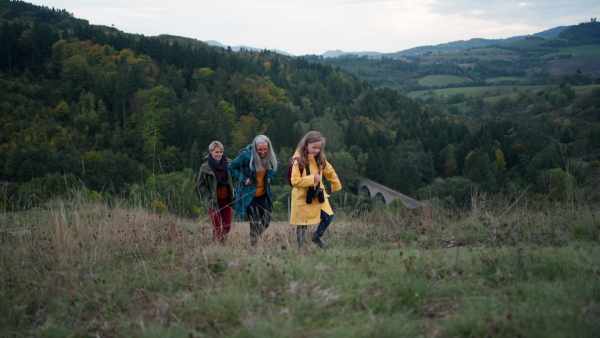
207,185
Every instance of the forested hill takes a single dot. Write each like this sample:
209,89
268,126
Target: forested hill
471,43
114,110
582,34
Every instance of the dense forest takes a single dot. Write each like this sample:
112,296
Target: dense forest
126,115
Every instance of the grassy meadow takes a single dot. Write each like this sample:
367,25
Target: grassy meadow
440,80
504,269
477,91
584,53
501,79
491,93
483,54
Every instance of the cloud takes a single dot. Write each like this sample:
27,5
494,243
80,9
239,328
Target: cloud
533,12
315,26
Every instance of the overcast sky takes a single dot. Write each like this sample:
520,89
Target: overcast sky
316,26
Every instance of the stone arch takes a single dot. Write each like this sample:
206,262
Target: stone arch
365,190
379,197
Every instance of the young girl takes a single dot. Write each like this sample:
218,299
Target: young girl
255,169
215,185
310,203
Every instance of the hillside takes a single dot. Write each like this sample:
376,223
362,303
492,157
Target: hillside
130,116
449,46
415,51
526,59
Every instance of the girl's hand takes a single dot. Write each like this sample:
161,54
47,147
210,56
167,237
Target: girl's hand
317,178
268,180
248,182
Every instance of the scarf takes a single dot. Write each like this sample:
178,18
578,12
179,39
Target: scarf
219,166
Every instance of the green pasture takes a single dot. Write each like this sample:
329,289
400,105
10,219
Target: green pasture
482,54
494,92
474,92
526,43
499,80
440,80
585,53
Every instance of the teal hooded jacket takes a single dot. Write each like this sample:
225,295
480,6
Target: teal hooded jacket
240,168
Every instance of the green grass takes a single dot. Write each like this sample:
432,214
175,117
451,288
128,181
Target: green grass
498,270
481,91
482,54
584,53
493,92
440,80
502,79
526,43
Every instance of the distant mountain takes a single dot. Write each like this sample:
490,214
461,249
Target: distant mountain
444,47
552,32
238,48
450,46
334,53
337,52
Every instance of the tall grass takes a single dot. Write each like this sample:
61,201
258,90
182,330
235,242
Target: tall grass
87,268
173,193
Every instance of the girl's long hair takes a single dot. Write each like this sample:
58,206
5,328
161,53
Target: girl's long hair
269,162
310,137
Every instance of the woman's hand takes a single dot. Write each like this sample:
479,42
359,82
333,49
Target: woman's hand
248,181
317,178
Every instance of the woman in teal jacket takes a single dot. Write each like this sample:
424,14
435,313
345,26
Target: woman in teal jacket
255,169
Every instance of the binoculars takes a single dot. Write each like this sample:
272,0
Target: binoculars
313,193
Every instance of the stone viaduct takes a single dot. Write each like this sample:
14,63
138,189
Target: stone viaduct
382,193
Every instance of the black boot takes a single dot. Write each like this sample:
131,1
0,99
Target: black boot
318,240
254,235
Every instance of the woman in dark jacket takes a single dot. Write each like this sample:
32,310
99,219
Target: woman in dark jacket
215,185
255,169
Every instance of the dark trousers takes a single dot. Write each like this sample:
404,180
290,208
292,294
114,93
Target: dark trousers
325,221
323,225
259,215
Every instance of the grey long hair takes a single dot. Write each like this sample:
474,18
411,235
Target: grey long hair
269,162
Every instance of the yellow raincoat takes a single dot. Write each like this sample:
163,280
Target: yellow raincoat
308,214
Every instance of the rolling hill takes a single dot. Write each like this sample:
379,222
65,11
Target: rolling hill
450,46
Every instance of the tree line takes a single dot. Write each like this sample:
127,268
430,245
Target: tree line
123,114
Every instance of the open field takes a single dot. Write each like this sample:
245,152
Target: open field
585,53
502,269
440,80
480,91
572,66
493,92
502,79
482,54
526,43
